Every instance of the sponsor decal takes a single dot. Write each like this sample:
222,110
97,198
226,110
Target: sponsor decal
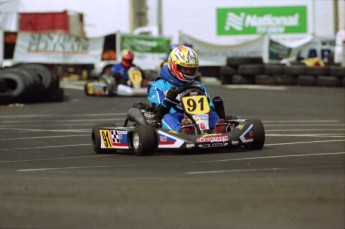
257,20
240,126
119,138
165,140
202,126
189,146
249,135
213,139
105,139
210,145
234,143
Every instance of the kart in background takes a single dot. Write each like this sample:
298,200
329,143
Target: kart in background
106,85
142,134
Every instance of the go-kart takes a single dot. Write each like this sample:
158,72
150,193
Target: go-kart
142,133
106,85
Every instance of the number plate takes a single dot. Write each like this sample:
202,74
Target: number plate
135,77
196,104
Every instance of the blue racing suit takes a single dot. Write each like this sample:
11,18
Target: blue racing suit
120,72
156,94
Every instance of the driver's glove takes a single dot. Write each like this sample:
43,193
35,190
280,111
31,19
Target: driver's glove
171,94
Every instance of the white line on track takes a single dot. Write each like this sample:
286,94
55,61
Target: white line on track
64,168
63,120
64,115
307,135
257,170
306,124
291,130
43,130
44,137
52,159
46,147
300,121
256,87
279,156
309,142
209,172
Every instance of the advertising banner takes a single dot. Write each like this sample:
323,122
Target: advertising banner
149,51
257,20
215,55
59,48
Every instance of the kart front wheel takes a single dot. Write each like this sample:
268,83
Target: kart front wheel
144,141
258,135
96,138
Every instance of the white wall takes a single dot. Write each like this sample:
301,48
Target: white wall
101,16
324,18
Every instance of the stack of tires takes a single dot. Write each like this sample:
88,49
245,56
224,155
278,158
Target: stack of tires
252,70
241,70
26,83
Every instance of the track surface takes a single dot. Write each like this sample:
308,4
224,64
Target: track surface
51,178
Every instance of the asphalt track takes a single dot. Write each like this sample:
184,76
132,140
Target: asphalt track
51,178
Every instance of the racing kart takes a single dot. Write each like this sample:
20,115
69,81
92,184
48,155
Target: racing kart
142,133
106,85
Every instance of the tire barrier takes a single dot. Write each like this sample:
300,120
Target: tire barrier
252,70
27,83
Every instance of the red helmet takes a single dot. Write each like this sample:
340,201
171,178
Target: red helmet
127,57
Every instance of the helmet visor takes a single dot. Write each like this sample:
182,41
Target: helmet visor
189,71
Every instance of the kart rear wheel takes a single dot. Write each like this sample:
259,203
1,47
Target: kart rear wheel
258,136
144,140
96,138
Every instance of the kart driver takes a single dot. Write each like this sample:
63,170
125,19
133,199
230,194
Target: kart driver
180,72
120,70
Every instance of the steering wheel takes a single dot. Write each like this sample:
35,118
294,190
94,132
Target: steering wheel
183,91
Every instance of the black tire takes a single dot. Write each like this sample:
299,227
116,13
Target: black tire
96,138
317,71
49,81
39,87
285,79
238,79
258,137
328,81
273,69
264,79
144,140
226,73
294,70
250,69
343,82
17,87
306,80
236,61
337,71
56,95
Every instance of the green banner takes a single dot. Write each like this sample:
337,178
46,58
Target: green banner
144,44
257,20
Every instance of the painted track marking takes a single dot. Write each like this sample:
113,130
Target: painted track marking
257,170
